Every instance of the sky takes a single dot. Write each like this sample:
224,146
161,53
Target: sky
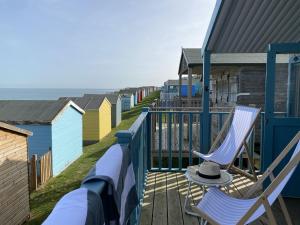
97,43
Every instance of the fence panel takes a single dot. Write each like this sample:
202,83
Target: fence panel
40,170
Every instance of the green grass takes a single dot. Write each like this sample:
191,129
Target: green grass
44,199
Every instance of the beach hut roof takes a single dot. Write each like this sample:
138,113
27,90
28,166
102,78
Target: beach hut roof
112,98
127,91
15,129
192,57
33,111
86,102
250,25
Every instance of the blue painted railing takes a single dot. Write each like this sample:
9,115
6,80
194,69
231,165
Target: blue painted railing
137,138
179,132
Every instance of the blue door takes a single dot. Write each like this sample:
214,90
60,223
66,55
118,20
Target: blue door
280,128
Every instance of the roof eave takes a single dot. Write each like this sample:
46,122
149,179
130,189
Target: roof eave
211,25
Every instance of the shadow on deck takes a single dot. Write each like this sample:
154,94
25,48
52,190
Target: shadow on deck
165,194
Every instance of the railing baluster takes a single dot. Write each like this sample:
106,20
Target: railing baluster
190,138
262,131
170,140
159,140
180,140
200,139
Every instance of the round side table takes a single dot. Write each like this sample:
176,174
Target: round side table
193,177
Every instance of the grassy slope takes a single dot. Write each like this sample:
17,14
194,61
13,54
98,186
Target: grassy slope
43,200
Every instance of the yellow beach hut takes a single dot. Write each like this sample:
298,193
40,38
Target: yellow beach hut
97,117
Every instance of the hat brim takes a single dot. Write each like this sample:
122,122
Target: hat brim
225,178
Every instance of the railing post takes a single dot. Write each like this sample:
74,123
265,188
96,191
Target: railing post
205,101
124,136
149,136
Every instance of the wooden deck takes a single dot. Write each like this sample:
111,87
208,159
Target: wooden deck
165,194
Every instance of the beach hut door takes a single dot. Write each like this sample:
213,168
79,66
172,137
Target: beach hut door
282,108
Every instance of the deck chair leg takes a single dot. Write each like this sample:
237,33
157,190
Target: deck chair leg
269,211
285,211
282,205
250,159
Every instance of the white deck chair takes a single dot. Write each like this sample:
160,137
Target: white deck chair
218,208
235,141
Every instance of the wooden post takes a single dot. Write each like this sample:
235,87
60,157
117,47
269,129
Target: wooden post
190,86
33,175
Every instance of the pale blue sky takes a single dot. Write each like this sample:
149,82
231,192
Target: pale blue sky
97,43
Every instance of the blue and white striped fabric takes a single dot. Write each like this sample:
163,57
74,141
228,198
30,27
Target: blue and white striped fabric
228,210
120,198
243,119
79,207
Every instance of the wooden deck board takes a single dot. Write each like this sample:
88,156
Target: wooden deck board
146,217
174,212
160,210
165,195
182,191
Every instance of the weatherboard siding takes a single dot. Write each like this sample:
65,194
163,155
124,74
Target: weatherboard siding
91,125
14,194
66,139
40,142
104,119
118,112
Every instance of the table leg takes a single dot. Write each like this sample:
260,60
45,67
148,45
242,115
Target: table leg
187,211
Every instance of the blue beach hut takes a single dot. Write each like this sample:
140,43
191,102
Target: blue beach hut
56,125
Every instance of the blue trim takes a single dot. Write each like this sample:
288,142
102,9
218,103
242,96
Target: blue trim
212,24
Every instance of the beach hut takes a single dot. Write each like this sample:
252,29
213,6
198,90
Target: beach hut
130,91
236,78
127,101
57,126
97,117
134,91
14,187
116,107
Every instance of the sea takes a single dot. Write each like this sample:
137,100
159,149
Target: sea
47,93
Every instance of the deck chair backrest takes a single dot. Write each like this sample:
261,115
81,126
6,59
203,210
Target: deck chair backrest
273,196
242,123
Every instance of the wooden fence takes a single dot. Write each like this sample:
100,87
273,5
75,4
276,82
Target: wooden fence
40,170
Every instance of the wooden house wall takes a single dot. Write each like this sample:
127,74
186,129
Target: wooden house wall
91,132
66,139
14,187
104,119
126,103
245,85
118,112
40,142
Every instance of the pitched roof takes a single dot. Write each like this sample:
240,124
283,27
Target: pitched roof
86,102
249,26
127,91
15,129
192,55
112,98
32,111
